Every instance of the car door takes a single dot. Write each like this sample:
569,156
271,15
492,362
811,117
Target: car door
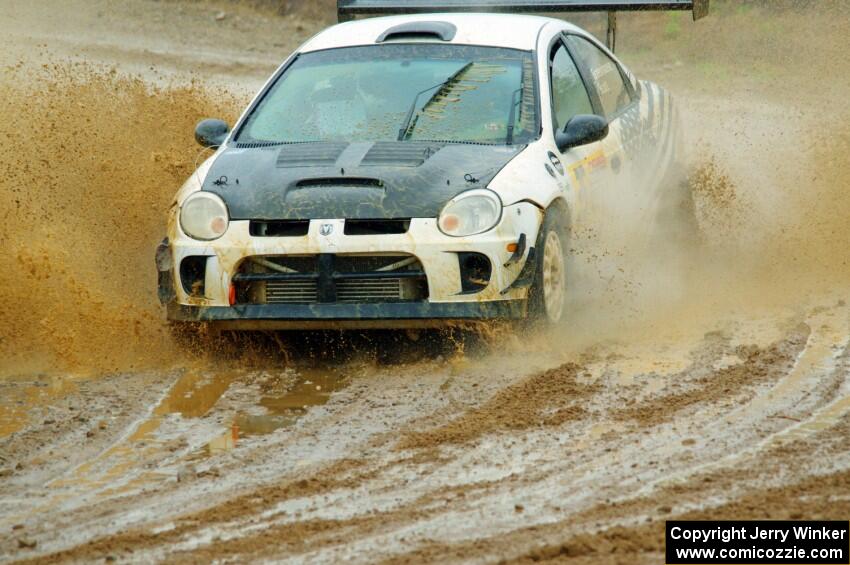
570,97
616,100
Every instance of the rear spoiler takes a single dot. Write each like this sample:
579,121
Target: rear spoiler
349,9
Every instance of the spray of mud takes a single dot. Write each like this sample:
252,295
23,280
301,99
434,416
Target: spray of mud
768,153
772,241
96,158
91,162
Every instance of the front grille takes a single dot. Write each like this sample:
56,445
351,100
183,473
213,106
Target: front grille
327,278
376,227
278,228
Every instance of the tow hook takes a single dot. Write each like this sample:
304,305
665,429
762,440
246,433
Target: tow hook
526,275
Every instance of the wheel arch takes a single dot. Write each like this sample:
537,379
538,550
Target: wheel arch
556,203
559,205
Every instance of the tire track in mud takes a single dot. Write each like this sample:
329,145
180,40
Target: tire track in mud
253,502
647,448
547,399
483,477
757,365
312,433
820,370
69,425
792,498
642,542
632,530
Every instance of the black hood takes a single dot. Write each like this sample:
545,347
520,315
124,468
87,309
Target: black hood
381,180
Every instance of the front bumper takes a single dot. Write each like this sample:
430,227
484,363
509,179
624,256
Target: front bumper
437,253
342,316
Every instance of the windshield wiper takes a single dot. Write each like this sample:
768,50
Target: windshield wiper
407,127
509,138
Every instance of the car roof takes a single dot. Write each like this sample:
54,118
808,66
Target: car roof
496,30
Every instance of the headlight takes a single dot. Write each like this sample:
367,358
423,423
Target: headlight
470,212
204,216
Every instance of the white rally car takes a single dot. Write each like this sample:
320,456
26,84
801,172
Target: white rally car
409,170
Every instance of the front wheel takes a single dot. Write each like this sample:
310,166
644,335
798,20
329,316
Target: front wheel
548,293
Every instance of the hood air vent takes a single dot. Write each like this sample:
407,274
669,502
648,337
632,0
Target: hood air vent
309,154
399,153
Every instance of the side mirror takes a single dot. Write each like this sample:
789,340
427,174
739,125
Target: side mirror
581,130
211,133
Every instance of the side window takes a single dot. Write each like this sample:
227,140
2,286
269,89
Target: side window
569,96
605,74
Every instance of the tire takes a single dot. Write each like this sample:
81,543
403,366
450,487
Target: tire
547,299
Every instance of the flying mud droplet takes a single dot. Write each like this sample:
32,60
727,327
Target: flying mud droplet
97,160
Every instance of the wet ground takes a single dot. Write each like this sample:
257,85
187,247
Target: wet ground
466,456
718,391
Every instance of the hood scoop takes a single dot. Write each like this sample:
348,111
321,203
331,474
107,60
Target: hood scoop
339,197
347,182
322,154
400,153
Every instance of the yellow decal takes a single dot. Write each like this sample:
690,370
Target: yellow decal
581,170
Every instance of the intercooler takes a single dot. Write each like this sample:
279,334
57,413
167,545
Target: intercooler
349,291
330,278
289,292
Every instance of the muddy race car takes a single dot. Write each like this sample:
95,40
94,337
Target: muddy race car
417,169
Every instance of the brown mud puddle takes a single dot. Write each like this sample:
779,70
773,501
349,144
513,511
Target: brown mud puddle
188,425
312,387
17,403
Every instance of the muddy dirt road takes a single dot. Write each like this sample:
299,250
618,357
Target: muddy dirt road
714,387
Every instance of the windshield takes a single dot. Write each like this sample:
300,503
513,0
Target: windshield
400,92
